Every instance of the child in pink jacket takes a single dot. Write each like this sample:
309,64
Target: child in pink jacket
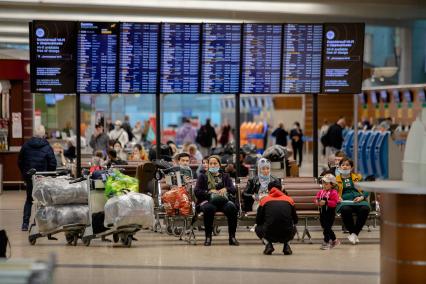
327,200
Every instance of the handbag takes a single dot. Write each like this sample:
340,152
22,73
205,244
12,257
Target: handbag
218,200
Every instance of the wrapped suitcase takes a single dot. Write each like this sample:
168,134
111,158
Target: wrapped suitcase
50,191
129,209
49,218
177,202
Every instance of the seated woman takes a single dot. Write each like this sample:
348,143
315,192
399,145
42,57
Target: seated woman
215,192
121,154
257,187
138,154
352,200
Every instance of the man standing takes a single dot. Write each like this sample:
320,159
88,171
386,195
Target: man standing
296,135
280,135
334,137
119,134
36,154
99,140
127,127
205,138
276,219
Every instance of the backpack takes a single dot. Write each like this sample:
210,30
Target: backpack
4,242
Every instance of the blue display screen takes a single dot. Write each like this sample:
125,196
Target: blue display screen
396,98
180,54
138,58
302,51
261,58
384,96
373,95
421,96
221,58
408,96
97,57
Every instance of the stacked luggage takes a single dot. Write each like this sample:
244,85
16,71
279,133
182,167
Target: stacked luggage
61,206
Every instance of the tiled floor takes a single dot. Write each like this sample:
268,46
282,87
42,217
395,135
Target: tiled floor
159,258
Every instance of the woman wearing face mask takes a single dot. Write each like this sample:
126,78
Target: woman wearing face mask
215,192
257,187
352,200
120,152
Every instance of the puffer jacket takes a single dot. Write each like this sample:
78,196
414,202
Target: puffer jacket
37,154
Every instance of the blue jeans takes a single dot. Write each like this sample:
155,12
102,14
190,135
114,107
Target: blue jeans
28,201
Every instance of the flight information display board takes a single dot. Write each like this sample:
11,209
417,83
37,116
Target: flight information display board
220,72
302,49
97,57
138,63
342,58
261,58
180,58
53,49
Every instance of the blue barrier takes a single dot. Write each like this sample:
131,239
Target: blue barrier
369,154
362,155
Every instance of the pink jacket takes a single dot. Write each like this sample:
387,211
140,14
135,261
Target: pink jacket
331,196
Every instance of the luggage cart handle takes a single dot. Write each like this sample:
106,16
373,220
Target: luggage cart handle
32,172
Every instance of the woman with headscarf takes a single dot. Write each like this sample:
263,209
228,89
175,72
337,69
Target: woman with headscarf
257,187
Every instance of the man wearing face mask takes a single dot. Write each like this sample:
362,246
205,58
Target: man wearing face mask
257,187
119,134
333,163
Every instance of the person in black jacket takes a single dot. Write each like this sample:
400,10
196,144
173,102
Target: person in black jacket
276,219
280,135
257,187
296,135
216,192
36,154
205,137
334,137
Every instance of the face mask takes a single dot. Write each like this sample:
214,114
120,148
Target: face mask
337,172
345,172
117,127
263,177
214,170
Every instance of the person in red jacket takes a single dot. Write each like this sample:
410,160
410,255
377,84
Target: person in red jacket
327,200
276,219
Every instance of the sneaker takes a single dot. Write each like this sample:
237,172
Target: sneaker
334,243
352,238
287,249
325,246
269,249
356,239
24,227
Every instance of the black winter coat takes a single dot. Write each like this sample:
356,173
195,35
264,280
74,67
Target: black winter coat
334,136
202,188
253,186
37,154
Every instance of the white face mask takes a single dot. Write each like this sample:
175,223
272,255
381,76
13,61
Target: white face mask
117,127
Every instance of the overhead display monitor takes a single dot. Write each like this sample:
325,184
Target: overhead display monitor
302,49
342,60
138,58
180,58
97,57
53,49
261,58
220,59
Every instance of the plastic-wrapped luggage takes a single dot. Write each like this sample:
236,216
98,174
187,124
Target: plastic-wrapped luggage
177,202
58,191
52,217
129,209
118,182
276,153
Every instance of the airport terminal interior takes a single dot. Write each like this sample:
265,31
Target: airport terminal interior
213,141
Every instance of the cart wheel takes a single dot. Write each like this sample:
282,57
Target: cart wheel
128,241
69,238
177,231
75,240
216,230
157,227
86,241
169,230
32,239
115,238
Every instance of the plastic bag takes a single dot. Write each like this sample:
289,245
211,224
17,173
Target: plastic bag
52,217
276,153
59,191
177,202
129,209
117,182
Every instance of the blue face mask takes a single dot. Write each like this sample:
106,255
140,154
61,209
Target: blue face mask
263,177
214,170
337,172
345,172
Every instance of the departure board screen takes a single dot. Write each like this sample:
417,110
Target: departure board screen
302,49
261,58
53,49
221,58
138,58
97,57
180,58
342,58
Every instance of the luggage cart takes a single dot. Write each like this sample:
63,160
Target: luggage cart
123,233
72,231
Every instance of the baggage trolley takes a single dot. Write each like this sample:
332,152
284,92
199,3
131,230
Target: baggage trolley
123,233
72,231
